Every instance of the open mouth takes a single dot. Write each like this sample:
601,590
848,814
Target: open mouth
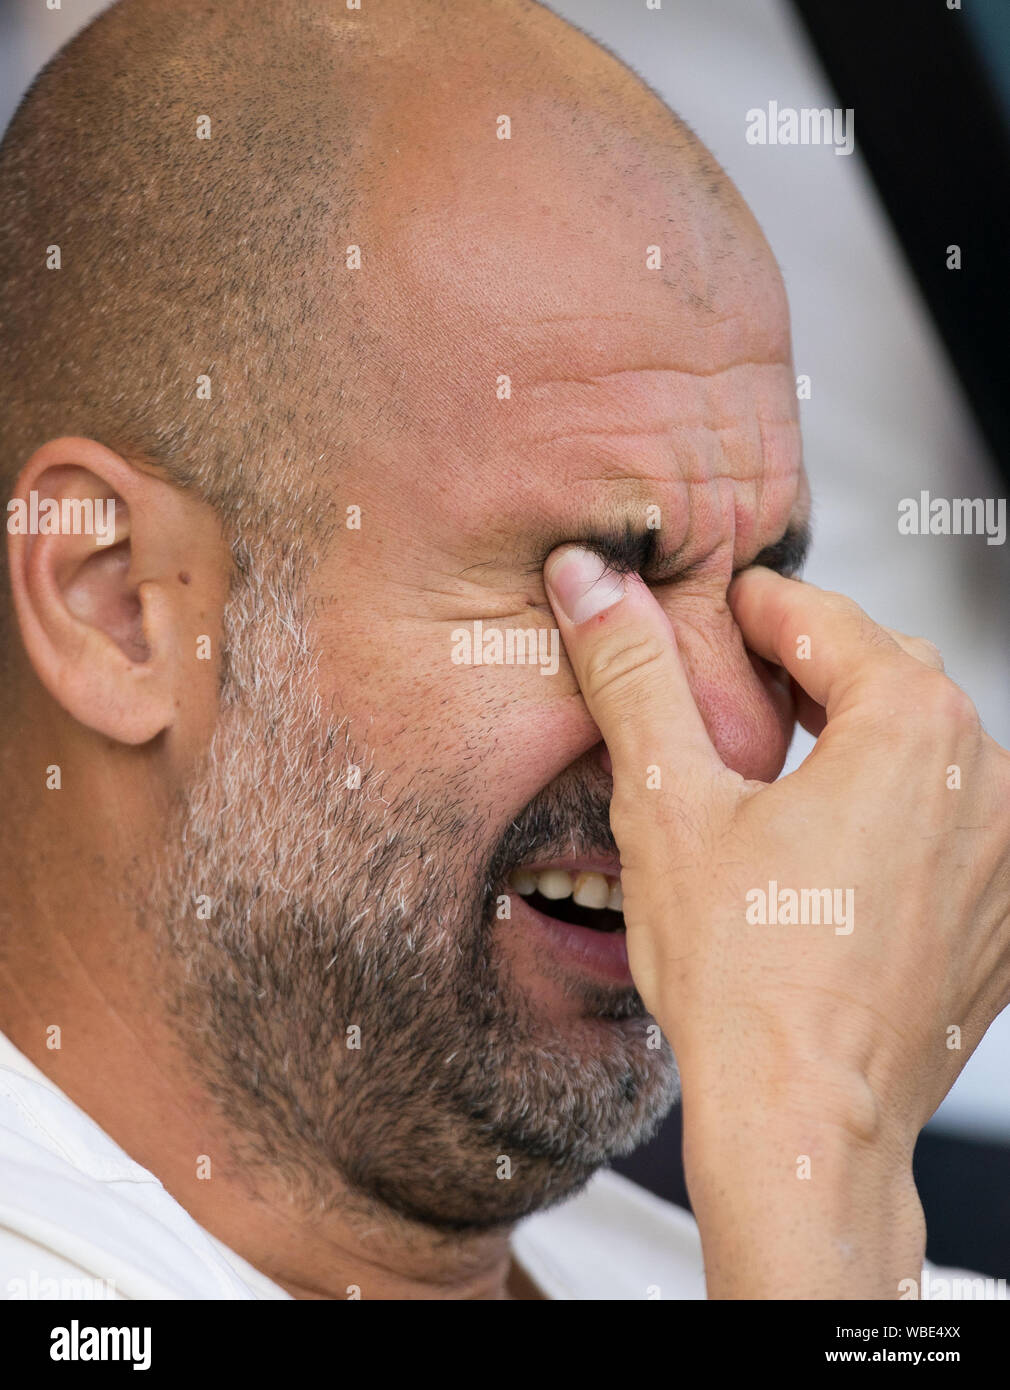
582,899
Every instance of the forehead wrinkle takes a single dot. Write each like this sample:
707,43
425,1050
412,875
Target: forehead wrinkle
674,369
690,458
664,428
533,495
617,343
734,402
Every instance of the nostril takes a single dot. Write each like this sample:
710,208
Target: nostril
605,763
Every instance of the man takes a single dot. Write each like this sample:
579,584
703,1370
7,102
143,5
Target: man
401,342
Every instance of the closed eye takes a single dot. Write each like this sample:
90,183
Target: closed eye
787,555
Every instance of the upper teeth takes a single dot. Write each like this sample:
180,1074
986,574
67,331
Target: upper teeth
587,889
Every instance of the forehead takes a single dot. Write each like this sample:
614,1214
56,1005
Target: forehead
579,337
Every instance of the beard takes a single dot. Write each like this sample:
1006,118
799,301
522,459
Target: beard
334,971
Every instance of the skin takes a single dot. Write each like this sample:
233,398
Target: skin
814,1042
630,388
599,401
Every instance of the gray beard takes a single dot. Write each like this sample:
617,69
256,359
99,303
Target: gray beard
343,915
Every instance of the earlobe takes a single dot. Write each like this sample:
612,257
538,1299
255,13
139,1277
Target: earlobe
92,615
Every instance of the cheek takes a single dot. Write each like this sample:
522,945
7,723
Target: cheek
492,734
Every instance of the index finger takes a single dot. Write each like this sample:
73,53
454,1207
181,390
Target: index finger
830,647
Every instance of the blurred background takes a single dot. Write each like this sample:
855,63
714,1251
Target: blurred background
906,359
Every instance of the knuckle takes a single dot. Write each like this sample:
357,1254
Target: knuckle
617,670
627,807
920,648
840,605
927,652
873,634
940,699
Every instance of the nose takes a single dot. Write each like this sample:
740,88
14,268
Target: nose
747,709
746,705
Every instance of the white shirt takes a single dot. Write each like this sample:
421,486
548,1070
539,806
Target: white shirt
79,1218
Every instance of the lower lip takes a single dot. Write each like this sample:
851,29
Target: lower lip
599,953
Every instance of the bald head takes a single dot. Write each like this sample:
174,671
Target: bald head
182,256
203,168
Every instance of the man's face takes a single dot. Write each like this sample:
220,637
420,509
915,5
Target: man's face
640,402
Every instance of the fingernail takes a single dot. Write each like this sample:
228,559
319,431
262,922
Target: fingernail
583,585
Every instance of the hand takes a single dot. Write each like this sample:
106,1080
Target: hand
841,1036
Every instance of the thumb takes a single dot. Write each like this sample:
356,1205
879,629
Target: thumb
624,653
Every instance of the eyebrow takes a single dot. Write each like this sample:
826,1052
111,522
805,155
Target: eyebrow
634,551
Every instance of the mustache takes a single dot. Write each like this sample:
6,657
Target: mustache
569,817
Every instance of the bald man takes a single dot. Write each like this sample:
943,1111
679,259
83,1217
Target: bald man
348,919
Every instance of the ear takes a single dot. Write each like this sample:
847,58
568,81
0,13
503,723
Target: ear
115,574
